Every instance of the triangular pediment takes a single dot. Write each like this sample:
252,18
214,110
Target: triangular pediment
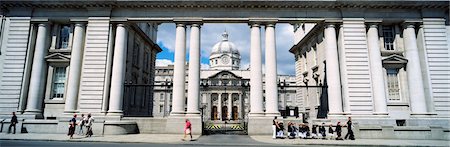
394,59
57,57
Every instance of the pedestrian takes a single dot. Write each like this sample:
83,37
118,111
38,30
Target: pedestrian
302,131
280,133
187,129
82,122
72,124
338,131
314,132
292,131
90,122
322,131
330,131
349,130
275,127
13,123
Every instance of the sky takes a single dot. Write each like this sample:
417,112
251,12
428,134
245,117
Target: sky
239,34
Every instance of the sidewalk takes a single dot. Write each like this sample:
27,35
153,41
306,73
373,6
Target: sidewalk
131,138
357,142
176,139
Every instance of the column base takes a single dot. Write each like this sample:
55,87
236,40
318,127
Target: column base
177,114
272,114
115,113
193,114
71,111
256,114
424,114
380,113
36,114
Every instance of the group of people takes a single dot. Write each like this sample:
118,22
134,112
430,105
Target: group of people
83,122
318,131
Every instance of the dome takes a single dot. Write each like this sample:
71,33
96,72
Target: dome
224,46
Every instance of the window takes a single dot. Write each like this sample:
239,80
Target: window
388,37
161,108
64,33
136,53
146,60
393,85
59,80
161,97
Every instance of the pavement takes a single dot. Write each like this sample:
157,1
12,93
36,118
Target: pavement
229,140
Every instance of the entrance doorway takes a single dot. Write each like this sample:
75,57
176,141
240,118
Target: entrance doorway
214,113
224,113
235,113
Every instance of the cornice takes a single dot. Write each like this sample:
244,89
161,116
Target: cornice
253,4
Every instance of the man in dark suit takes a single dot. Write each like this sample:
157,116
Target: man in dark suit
13,123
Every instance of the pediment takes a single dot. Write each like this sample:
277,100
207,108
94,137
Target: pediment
57,57
224,75
394,59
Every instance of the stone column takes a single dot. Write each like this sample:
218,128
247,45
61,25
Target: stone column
73,83
271,72
36,88
179,71
36,82
332,71
256,91
219,106
230,105
194,72
415,80
118,71
378,87
240,108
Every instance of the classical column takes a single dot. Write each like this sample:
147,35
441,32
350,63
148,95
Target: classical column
179,71
118,71
415,81
240,106
230,105
73,83
271,72
256,91
219,106
36,88
332,71
376,69
194,71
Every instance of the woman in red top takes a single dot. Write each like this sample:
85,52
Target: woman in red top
187,129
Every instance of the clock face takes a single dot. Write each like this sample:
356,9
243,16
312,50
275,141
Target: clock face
225,60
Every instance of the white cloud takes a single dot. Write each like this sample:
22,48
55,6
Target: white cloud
204,66
239,34
163,62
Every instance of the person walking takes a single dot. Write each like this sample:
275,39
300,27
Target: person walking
350,131
90,122
275,127
82,122
72,124
13,123
187,129
314,132
330,131
338,131
322,131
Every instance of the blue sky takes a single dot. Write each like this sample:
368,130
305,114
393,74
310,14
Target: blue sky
239,34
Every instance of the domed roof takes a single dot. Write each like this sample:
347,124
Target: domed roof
224,46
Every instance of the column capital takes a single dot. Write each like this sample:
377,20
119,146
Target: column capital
330,25
180,24
80,24
271,25
372,25
199,25
409,25
254,24
43,24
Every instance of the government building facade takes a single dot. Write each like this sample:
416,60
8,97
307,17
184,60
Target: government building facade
386,64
